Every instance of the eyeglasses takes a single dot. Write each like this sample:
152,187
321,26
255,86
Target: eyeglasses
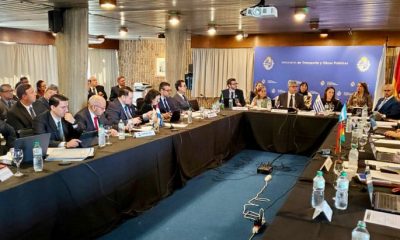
103,108
169,90
387,90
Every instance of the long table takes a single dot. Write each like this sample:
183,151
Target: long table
294,219
89,198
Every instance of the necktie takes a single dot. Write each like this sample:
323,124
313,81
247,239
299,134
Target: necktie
127,112
9,103
33,115
60,131
166,105
96,122
291,101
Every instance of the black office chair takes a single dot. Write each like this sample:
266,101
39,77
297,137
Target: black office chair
25,132
139,103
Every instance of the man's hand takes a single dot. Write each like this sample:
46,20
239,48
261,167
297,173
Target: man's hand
167,115
73,143
100,93
69,118
114,132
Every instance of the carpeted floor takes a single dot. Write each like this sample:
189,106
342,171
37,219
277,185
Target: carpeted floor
210,206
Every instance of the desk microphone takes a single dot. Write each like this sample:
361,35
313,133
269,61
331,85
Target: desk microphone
268,178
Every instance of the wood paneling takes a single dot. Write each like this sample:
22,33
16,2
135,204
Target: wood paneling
300,39
26,36
107,44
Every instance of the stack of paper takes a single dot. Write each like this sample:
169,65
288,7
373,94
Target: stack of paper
387,177
382,124
175,125
69,154
388,141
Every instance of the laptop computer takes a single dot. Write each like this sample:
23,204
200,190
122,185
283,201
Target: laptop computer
382,201
26,144
89,139
176,116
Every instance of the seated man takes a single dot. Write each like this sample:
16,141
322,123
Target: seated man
21,115
6,100
167,104
9,136
42,103
122,108
115,89
95,89
92,116
291,99
59,122
388,106
180,98
234,93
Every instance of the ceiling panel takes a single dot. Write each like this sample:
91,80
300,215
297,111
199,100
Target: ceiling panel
146,18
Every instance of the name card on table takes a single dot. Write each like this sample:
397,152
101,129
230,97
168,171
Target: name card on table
240,108
285,111
306,113
144,134
325,209
327,164
212,115
5,173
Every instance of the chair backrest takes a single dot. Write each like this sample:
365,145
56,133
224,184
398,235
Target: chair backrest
139,103
25,132
194,104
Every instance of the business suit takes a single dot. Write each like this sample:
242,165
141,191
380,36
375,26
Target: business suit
4,108
19,118
41,105
298,98
99,88
85,122
44,123
115,112
391,108
181,104
9,135
114,92
238,95
170,105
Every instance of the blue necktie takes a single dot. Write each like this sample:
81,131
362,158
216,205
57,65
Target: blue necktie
60,131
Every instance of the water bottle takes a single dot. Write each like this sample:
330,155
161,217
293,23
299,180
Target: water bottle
348,125
342,189
269,104
317,197
102,136
364,113
230,103
190,117
156,123
353,157
121,130
37,157
360,232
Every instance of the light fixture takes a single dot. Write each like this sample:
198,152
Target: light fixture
7,43
300,13
314,24
108,4
123,31
212,29
323,34
54,34
240,35
174,18
101,38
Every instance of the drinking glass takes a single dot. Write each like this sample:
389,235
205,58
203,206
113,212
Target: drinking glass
107,129
17,155
354,137
367,127
337,169
277,103
363,141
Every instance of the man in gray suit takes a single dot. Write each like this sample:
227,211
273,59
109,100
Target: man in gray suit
181,100
292,99
6,101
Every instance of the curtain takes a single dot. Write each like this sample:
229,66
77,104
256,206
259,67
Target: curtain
103,64
37,62
212,67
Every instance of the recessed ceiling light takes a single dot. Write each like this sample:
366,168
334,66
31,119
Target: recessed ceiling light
323,34
123,31
108,4
300,14
174,19
212,30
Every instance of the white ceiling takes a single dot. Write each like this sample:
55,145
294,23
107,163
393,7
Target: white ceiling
146,18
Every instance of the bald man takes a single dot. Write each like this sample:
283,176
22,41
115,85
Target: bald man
95,88
388,106
90,117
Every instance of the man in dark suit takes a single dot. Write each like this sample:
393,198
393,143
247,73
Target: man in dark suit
181,100
6,101
115,90
42,103
291,99
9,136
21,115
59,122
166,104
92,116
234,93
388,106
122,108
95,89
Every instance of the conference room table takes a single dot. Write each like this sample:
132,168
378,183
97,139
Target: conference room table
294,219
88,198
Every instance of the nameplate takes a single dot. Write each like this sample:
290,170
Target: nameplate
307,113
5,173
212,115
285,111
327,164
325,209
144,134
240,108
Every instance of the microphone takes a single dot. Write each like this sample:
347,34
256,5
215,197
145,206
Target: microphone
268,178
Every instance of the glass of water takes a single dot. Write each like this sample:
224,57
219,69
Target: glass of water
107,129
363,141
367,127
17,155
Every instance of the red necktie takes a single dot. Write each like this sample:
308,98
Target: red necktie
96,122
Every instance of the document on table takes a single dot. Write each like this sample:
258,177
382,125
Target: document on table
387,150
382,124
394,178
382,218
70,154
379,164
175,125
388,141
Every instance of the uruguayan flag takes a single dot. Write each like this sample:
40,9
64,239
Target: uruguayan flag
318,105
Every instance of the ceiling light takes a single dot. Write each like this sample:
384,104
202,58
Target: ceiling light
323,34
212,30
174,19
108,4
314,24
123,31
101,38
300,14
240,35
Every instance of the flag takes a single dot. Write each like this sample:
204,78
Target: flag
343,113
341,137
160,119
318,105
396,75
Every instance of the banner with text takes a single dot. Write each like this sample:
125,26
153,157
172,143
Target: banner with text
320,67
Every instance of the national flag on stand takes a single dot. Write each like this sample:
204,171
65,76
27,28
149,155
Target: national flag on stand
318,105
341,137
396,76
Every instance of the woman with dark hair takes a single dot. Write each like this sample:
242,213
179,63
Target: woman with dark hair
253,93
150,101
40,88
303,90
330,99
360,98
